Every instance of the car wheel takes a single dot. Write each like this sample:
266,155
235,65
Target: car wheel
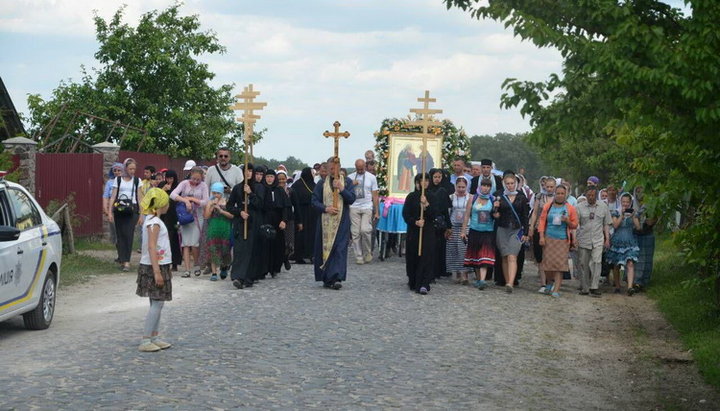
41,317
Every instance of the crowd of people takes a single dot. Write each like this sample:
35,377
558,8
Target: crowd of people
476,224
476,221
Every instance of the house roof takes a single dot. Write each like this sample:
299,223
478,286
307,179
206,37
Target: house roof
11,126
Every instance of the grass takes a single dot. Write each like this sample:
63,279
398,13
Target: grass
78,268
689,308
92,243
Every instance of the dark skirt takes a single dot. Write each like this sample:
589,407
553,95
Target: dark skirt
480,249
146,283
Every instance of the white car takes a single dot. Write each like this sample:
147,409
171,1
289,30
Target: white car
30,255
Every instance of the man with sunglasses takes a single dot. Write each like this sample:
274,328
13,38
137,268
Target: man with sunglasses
223,172
592,238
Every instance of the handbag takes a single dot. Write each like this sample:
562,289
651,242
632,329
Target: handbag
268,232
183,215
123,205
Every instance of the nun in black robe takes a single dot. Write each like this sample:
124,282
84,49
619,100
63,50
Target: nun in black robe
246,257
306,216
277,206
420,269
441,191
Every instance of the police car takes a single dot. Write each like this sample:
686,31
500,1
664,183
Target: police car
30,254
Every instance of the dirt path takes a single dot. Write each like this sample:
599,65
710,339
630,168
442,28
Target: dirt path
288,343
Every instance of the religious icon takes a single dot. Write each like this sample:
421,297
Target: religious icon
405,161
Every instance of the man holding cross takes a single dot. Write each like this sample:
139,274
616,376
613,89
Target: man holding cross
333,232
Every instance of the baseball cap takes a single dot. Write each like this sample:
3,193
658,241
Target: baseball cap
189,165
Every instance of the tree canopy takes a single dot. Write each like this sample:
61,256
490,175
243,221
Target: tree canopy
639,89
509,152
149,77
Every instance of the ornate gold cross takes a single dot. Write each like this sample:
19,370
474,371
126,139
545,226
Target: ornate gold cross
336,156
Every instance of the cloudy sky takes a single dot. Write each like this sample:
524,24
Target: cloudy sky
315,61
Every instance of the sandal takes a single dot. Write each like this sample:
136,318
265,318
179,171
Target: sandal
197,273
186,274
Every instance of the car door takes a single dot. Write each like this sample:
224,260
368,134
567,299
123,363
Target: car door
9,259
29,249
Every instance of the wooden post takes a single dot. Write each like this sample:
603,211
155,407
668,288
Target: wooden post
248,119
425,121
336,153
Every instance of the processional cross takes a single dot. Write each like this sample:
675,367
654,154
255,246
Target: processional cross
248,105
336,156
425,120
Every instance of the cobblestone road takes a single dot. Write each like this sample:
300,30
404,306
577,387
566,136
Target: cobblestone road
288,344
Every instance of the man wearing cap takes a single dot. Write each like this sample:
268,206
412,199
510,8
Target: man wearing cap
593,181
486,167
224,172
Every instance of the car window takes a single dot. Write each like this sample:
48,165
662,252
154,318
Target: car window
26,215
4,212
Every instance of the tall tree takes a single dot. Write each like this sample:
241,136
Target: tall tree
149,77
509,152
640,80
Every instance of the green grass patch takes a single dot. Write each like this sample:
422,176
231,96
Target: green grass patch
92,243
77,268
689,308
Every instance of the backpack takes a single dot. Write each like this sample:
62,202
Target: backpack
124,205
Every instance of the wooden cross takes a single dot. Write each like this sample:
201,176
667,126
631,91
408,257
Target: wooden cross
248,105
426,120
336,156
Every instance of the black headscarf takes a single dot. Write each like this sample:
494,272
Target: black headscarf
173,174
418,181
432,187
270,173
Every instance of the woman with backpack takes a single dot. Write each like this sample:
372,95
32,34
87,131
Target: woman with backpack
191,195
123,211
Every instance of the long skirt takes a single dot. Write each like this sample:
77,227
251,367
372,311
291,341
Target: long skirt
480,249
146,286
218,241
455,251
644,265
555,255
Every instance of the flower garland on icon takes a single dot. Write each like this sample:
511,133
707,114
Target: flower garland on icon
455,144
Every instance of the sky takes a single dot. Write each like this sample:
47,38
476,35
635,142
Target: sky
314,61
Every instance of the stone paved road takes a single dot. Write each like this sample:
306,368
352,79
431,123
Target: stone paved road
290,344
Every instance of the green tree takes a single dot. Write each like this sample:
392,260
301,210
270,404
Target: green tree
149,77
639,82
509,152
291,163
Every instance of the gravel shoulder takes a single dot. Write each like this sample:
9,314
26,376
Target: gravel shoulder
289,343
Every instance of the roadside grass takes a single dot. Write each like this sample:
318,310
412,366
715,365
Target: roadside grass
78,268
92,243
689,308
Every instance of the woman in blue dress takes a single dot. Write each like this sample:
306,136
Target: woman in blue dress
624,248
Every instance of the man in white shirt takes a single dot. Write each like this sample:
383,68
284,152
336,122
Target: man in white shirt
224,172
361,211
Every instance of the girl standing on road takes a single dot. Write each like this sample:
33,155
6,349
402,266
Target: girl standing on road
480,252
154,278
456,245
218,231
194,193
557,220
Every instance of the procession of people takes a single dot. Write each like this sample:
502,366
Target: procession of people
476,224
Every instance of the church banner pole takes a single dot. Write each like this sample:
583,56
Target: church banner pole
336,152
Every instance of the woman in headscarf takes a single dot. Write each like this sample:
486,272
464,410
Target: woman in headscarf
624,248
305,215
456,245
219,228
511,215
246,255
480,254
171,219
420,269
439,187
115,171
276,214
557,220
284,183
546,195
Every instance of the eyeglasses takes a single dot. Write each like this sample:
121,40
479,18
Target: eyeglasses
223,156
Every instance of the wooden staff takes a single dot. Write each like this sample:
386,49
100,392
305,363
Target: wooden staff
423,156
336,150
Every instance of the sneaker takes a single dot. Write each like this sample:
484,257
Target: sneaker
223,274
148,347
162,344
336,286
359,261
423,291
368,258
238,284
508,289
186,274
555,294
214,277
584,293
595,293
480,284
631,291
543,290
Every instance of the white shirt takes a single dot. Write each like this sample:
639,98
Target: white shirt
163,242
367,183
126,189
233,175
